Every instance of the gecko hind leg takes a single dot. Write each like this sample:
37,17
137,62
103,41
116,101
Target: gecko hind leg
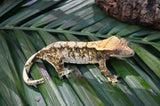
62,71
111,78
58,64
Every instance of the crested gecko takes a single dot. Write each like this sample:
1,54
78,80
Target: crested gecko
94,52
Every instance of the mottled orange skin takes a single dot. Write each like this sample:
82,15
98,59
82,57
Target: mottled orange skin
59,53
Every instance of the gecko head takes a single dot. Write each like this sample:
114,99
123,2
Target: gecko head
122,50
114,46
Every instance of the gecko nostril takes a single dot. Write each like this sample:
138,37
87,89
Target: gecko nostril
132,53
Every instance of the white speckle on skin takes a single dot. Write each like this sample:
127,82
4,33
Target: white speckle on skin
71,44
81,44
65,53
76,56
57,44
63,44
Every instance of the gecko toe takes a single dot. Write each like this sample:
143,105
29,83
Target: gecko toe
109,82
118,75
61,77
67,76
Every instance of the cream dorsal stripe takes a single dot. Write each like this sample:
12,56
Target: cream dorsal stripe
96,52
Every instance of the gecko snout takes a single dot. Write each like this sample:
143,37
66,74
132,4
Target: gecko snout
131,53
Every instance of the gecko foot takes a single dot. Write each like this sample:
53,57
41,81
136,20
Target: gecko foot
113,79
65,73
62,76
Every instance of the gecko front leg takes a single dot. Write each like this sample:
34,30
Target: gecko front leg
105,71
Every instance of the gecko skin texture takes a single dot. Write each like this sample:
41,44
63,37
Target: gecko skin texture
95,52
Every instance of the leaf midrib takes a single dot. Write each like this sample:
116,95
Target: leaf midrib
53,31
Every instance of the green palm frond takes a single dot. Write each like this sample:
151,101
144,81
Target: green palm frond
26,29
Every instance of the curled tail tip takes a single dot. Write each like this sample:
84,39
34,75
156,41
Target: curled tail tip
34,82
26,70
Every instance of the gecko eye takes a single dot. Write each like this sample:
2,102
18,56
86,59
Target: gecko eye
111,5
116,51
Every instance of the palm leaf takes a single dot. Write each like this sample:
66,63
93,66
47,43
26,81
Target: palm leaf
26,28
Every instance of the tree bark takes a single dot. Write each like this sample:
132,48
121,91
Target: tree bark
141,12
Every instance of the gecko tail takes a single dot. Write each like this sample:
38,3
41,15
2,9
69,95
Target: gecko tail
26,70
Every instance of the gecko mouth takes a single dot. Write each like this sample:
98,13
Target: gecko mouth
124,55
130,54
